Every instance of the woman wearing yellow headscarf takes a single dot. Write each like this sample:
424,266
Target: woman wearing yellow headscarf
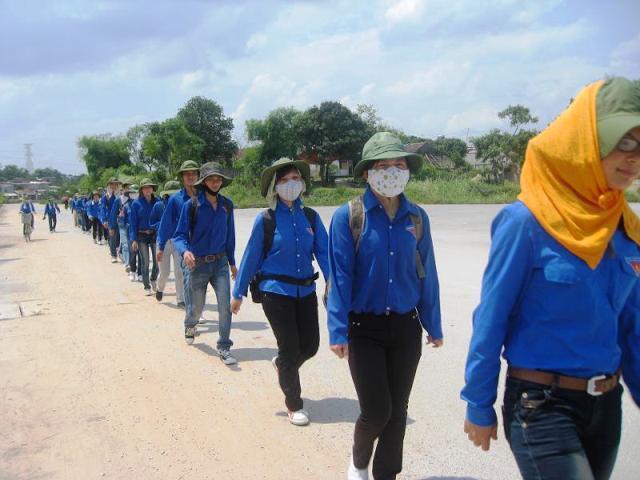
560,295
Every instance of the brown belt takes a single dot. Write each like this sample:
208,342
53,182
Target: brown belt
147,232
211,258
593,386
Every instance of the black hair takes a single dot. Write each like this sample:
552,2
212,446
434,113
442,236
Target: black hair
285,171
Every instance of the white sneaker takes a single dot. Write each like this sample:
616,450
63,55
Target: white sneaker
100,242
95,241
354,473
132,276
201,320
189,335
226,357
299,418
154,286
139,278
274,364
114,260
148,292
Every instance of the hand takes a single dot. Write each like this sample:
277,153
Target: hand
235,305
112,232
234,272
134,246
159,256
341,350
481,436
436,342
189,260
105,225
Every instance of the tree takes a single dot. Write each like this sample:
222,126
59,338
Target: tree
204,117
103,151
49,173
167,144
331,131
518,116
11,172
277,134
452,148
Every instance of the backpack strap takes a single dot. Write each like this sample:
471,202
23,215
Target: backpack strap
269,229
356,220
419,226
311,215
193,216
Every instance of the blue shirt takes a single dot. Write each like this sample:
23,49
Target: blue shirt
106,204
140,216
50,209
156,214
170,217
27,208
93,210
382,277
214,231
551,312
294,244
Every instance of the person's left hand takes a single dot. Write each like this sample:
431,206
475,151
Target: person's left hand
235,305
105,224
234,272
435,342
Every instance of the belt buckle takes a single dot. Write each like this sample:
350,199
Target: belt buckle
210,258
591,385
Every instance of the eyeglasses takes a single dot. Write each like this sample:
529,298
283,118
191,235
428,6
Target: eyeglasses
628,144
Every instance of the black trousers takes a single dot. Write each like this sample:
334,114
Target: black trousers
97,228
294,322
53,221
384,352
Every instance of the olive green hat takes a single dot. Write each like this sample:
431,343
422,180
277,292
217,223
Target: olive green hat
94,193
188,165
270,171
617,111
133,188
113,180
213,168
146,182
171,187
381,146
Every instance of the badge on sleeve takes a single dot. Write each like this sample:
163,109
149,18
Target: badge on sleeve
634,262
412,230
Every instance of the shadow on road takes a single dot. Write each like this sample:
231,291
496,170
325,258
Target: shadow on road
10,259
447,478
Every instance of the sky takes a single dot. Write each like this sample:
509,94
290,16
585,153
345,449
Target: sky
430,67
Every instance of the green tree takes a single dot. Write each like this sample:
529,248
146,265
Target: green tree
331,131
276,133
11,172
250,164
205,118
49,173
103,151
452,148
167,144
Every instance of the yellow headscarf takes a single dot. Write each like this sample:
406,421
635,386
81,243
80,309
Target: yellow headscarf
564,186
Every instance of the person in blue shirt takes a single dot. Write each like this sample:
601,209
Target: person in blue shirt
86,201
159,210
93,212
206,240
74,211
188,173
119,219
107,204
50,210
26,211
560,295
383,292
286,279
142,235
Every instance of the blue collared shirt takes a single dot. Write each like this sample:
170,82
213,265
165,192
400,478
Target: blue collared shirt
93,210
214,231
106,204
171,216
295,243
543,308
156,214
382,277
27,207
50,209
139,216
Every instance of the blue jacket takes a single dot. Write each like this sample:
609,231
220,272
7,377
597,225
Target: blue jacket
140,216
156,214
214,231
291,254
170,217
94,210
27,207
382,277
115,213
543,308
106,205
50,209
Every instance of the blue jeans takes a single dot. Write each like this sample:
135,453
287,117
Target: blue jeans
124,243
560,434
114,242
195,291
147,242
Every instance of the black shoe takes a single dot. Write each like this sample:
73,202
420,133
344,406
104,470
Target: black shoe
181,304
158,295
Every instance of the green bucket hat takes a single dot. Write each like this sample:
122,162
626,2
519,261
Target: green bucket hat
270,171
146,182
617,111
189,165
171,187
213,168
381,146
133,188
113,180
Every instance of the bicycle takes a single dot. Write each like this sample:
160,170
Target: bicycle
27,228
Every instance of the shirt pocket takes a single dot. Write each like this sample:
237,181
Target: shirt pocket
559,288
624,282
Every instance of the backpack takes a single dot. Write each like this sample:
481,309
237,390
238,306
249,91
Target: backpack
269,229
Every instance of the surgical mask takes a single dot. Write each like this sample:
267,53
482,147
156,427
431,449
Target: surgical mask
289,190
388,182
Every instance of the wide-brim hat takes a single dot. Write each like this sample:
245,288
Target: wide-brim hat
617,111
113,180
170,188
94,193
268,173
210,169
382,146
133,188
146,182
189,166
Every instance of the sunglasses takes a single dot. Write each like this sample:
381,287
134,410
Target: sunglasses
628,144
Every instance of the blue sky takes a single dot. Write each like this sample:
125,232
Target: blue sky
430,67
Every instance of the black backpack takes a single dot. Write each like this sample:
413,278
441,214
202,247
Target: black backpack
269,229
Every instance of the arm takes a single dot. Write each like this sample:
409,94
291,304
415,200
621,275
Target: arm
231,237
113,215
629,341
429,304
181,235
156,216
251,259
321,247
167,221
133,223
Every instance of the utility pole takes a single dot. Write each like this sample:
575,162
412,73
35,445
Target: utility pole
29,157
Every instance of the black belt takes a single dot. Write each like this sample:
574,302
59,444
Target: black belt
305,282
147,232
211,258
413,313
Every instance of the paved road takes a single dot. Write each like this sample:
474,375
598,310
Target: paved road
96,381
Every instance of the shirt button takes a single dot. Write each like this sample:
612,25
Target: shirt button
390,227
390,253
296,239
297,255
294,224
391,280
298,270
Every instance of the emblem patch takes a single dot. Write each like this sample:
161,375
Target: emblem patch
634,262
412,230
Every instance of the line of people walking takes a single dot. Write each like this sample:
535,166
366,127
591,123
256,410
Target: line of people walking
560,295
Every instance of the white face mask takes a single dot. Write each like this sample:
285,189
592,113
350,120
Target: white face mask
388,182
290,190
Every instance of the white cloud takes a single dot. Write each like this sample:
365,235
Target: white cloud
438,79
480,118
625,58
405,10
256,41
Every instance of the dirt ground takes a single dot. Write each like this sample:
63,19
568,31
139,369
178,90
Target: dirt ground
97,382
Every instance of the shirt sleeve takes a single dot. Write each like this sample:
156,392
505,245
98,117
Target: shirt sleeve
321,246
341,255
505,277
251,259
629,341
133,224
167,220
156,215
429,304
231,236
181,235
